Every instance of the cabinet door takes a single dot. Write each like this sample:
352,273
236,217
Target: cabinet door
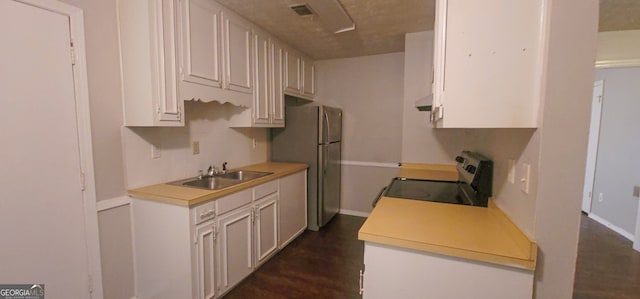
308,78
292,82
235,247
261,94
201,43
293,206
487,70
237,53
169,105
205,247
277,86
266,226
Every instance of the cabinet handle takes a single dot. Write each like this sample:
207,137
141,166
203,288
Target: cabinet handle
207,214
361,282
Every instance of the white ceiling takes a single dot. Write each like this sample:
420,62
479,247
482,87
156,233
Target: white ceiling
380,24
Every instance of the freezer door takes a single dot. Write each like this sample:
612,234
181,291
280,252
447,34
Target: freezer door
331,125
329,178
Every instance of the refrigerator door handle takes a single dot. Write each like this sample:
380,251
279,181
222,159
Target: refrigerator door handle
325,158
326,119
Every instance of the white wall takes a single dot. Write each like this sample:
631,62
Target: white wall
619,144
204,122
369,90
568,85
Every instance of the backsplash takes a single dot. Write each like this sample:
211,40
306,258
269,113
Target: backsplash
206,123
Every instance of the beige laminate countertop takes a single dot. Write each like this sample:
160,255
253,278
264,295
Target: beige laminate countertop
188,196
475,233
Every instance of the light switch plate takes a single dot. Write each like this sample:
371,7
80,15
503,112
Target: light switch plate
524,180
636,191
511,171
196,147
155,152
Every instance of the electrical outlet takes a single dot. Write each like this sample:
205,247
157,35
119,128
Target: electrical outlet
511,171
601,197
253,143
155,152
524,180
196,147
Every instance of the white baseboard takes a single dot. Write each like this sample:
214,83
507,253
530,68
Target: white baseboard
113,203
354,213
613,227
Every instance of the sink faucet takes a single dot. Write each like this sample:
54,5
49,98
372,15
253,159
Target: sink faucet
224,167
211,171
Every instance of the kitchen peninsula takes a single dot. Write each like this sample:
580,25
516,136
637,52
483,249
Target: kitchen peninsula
420,248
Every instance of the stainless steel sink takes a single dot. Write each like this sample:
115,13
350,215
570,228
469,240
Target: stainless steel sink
244,175
219,181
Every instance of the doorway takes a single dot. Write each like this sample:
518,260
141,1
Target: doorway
48,218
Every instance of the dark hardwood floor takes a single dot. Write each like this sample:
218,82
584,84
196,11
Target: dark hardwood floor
607,266
324,264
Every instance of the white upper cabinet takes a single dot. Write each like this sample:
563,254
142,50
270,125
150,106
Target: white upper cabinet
147,32
262,95
267,109
292,66
308,78
201,37
216,54
277,91
487,62
299,75
237,53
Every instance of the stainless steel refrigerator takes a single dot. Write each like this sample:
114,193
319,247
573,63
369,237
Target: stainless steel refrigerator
313,135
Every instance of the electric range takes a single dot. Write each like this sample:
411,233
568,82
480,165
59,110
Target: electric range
474,186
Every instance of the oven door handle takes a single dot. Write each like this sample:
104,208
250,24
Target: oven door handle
378,197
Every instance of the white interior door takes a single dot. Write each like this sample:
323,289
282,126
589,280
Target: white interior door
592,150
42,220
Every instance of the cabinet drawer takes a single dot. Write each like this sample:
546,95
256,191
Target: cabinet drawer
204,212
265,189
232,201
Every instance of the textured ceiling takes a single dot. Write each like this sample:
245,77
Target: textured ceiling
619,15
380,24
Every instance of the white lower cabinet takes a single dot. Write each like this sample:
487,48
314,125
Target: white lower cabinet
394,272
293,207
205,250
206,259
234,247
247,237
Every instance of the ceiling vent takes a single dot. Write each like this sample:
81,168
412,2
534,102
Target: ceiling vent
302,9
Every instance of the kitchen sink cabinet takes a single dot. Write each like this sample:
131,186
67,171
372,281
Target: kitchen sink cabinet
204,250
235,247
393,272
487,63
148,35
247,237
293,207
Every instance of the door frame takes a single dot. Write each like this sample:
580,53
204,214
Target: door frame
592,146
81,89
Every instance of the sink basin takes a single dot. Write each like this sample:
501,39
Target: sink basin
212,183
243,175
220,181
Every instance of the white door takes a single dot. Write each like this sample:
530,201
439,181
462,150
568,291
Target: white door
206,234
41,199
592,148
